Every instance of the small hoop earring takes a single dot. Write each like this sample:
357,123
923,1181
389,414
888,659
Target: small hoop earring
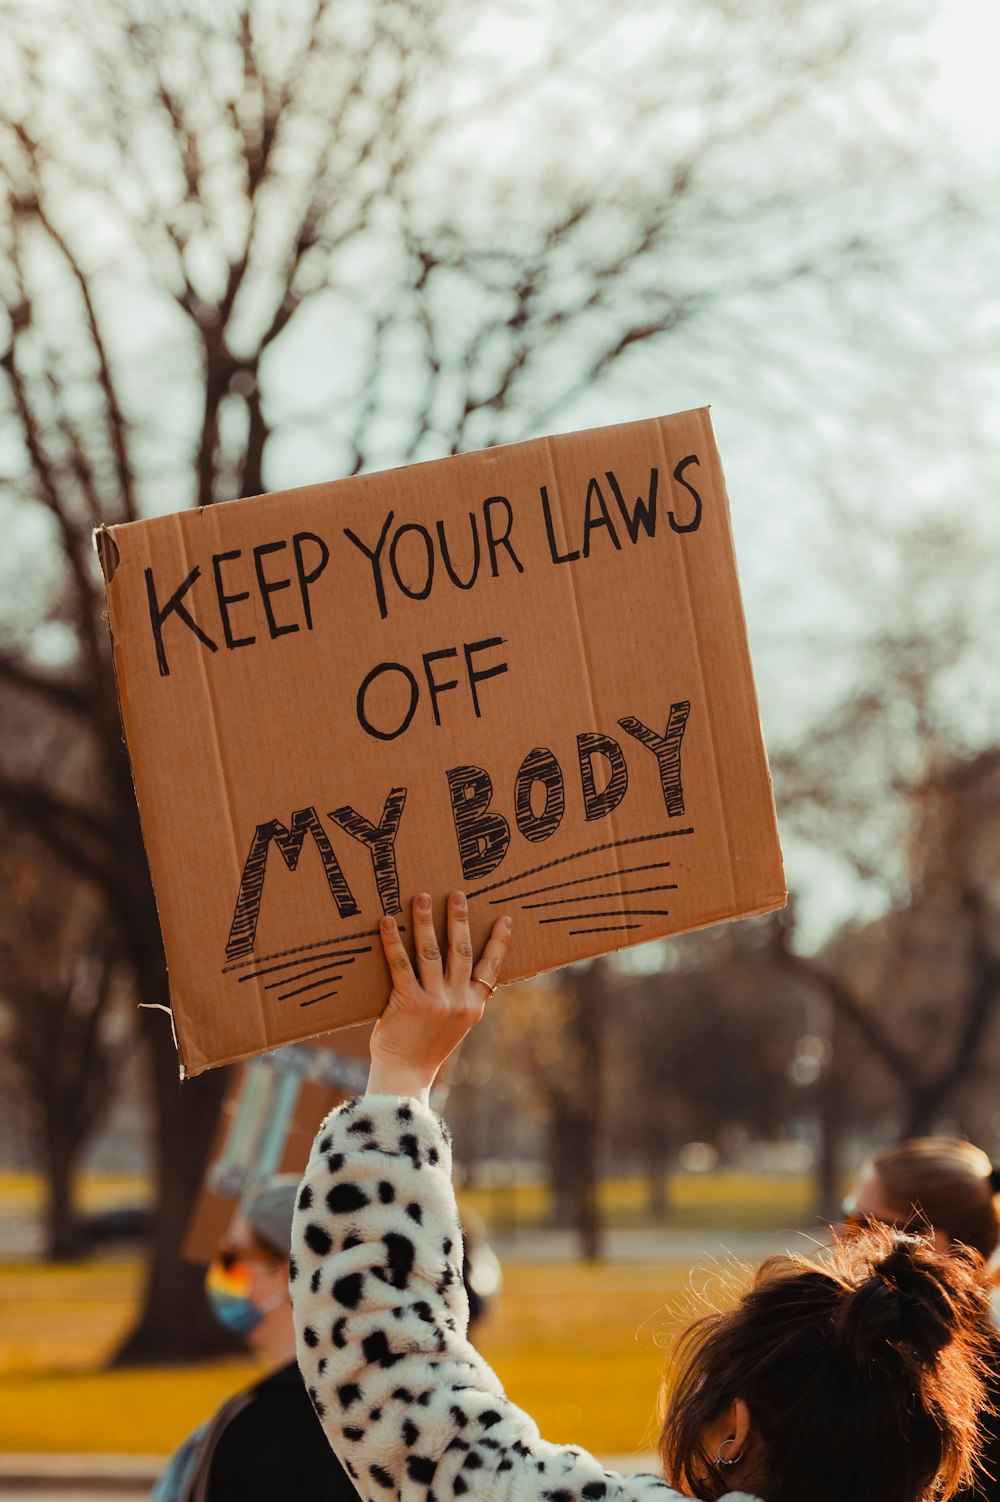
720,1458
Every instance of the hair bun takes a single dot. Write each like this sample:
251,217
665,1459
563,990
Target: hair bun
912,1303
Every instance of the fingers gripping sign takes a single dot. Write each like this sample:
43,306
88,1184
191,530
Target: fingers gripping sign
459,965
431,1009
492,958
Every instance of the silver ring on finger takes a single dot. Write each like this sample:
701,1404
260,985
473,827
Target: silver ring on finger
479,980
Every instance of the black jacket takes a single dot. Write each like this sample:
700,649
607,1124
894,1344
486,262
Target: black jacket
274,1449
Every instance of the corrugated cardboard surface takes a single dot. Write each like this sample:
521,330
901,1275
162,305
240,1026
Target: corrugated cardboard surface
527,631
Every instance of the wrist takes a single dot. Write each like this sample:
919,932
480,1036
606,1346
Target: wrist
385,1078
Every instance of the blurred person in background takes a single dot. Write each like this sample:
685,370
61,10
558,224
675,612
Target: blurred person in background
265,1444
949,1189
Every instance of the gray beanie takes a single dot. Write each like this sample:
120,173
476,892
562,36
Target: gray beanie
269,1208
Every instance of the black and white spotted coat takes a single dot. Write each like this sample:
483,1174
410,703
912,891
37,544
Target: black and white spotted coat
412,1410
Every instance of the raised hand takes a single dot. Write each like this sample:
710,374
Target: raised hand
430,1011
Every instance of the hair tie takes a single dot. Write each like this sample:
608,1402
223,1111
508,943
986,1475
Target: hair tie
994,1178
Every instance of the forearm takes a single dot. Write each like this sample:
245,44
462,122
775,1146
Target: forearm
381,1314
380,1306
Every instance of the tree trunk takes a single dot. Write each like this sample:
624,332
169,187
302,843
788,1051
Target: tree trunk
64,1233
922,1110
175,1323
656,1160
561,1150
573,1175
590,986
829,1163
587,1210
833,1095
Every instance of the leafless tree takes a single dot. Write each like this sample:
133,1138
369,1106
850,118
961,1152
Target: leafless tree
900,783
232,233
921,984
551,1042
704,1049
57,960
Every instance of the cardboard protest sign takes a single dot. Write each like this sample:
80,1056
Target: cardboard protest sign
521,672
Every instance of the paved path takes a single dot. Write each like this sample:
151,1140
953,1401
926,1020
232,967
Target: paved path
20,1241
658,1244
84,1478
20,1233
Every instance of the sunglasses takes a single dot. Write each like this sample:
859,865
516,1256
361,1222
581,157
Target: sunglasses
231,1257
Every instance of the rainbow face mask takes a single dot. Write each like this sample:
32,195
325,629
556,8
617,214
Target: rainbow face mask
227,1289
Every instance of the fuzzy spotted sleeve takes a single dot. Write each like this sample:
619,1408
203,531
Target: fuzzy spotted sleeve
381,1314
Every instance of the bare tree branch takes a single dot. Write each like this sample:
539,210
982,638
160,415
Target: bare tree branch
57,691
843,996
45,473
82,839
117,425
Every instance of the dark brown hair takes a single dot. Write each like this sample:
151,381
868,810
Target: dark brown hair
863,1377
946,1182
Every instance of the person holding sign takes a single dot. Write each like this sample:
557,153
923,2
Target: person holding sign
861,1378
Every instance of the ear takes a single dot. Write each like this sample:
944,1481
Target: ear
730,1433
740,1415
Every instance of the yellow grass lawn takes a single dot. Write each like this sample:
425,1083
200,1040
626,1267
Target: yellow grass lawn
575,1345
753,1202
705,1201
580,1347
95,1191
